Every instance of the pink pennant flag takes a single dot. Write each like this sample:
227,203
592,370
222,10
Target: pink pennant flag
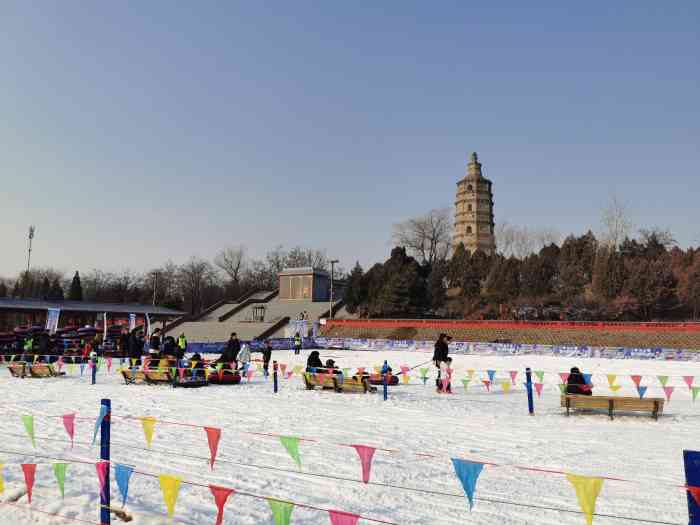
29,470
249,374
668,390
213,437
689,381
636,380
109,364
487,384
361,371
289,374
59,363
342,518
366,454
283,368
69,424
513,375
405,369
181,373
221,495
538,389
102,469
564,376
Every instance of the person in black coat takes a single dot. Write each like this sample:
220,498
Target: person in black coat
267,355
440,355
233,346
576,384
314,361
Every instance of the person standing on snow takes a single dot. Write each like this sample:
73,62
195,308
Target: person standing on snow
298,343
441,355
267,355
244,357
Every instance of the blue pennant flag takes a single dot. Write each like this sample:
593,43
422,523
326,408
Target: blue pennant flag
492,374
641,390
82,368
98,423
123,474
468,472
587,378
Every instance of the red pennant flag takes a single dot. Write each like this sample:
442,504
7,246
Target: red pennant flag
221,495
668,390
366,454
102,469
342,518
69,424
636,380
513,375
689,381
29,470
538,389
213,437
487,384
695,492
564,376
181,373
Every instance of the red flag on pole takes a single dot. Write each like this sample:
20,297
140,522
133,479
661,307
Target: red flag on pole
366,454
29,470
69,424
221,495
213,437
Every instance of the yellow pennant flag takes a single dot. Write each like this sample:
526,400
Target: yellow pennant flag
170,485
149,426
406,378
470,373
2,479
611,379
505,385
587,490
207,371
615,388
35,358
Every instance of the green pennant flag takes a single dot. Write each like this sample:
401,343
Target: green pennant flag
423,372
465,382
59,470
281,511
292,445
663,380
29,427
346,372
173,370
540,376
695,390
562,387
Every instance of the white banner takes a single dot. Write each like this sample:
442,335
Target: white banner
52,320
132,322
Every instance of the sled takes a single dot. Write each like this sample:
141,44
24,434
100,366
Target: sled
610,403
225,378
323,380
133,377
158,377
353,384
44,370
17,369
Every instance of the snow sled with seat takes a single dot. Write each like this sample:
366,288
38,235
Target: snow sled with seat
376,379
224,378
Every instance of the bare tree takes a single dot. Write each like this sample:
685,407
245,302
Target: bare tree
616,223
194,276
276,260
663,236
300,257
521,241
232,261
428,237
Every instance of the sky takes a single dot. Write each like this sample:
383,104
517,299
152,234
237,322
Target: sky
137,132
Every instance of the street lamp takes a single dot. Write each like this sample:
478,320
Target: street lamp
32,231
333,263
155,286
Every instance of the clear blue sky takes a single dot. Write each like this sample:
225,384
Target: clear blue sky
132,132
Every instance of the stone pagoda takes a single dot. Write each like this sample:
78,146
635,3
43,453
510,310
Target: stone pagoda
474,224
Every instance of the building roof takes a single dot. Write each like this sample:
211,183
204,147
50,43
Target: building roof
7,303
305,270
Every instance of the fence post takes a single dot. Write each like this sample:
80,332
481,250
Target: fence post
528,385
93,360
104,456
385,372
691,459
274,376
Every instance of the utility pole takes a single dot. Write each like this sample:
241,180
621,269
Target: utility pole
333,263
32,230
155,286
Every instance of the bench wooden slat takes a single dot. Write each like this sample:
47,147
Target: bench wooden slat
654,405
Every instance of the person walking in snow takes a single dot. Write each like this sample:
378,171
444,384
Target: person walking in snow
244,357
298,343
440,356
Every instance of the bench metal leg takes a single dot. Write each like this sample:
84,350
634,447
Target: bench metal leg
568,406
655,414
610,408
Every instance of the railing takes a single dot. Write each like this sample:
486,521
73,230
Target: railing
447,324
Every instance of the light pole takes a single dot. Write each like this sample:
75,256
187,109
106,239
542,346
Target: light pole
32,230
333,263
155,286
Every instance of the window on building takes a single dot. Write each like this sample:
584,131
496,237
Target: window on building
469,207
469,230
470,188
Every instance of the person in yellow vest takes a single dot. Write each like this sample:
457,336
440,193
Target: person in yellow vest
298,342
181,346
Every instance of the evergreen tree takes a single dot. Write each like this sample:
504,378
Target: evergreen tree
17,289
458,266
3,289
503,281
45,290
692,289
652,285
355,289
76,289
56,292
576,260
437,294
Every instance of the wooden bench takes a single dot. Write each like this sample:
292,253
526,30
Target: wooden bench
17,369
133,377
44,370
612,404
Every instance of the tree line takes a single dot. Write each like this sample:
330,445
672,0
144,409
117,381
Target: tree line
614,277
190,286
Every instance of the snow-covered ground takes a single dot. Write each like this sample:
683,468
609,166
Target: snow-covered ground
477,425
